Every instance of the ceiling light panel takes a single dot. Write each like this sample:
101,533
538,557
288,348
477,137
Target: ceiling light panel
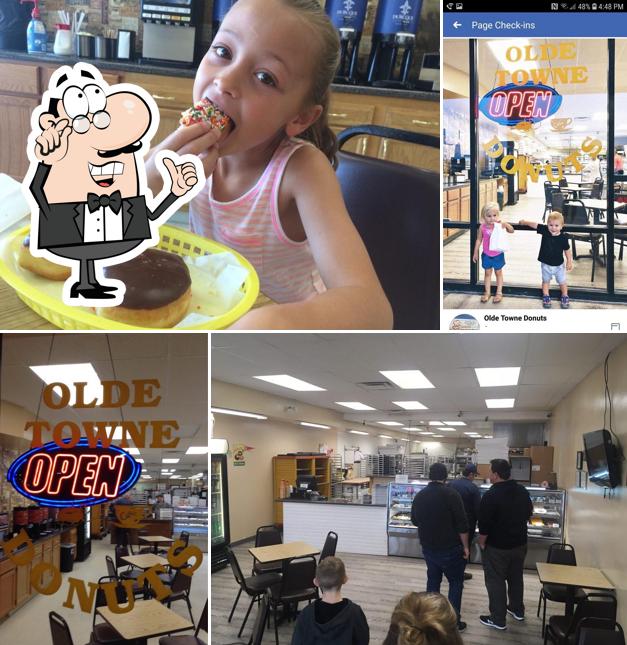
408,379
500,403
497,376
354,405
410,405
290,382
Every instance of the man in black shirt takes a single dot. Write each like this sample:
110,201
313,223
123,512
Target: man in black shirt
438,512
503,514
471,497
553,248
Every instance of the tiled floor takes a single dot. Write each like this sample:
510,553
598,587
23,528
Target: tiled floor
29,624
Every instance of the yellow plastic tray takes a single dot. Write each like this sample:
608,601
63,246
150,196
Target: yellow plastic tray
172,239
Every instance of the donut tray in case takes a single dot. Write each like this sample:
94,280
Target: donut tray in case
44,296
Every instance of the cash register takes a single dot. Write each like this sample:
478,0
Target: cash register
306,488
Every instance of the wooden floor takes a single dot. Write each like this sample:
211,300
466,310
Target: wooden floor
377,583
522,267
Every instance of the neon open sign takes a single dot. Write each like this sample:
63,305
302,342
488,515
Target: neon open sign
82,475
511,104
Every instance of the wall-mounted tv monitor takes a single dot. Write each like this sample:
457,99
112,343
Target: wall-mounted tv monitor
602,458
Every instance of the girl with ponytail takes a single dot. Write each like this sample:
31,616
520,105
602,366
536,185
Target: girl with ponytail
423,619
271,191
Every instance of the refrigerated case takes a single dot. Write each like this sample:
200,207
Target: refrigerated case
402,534
83,536
220,536
545,527
194,520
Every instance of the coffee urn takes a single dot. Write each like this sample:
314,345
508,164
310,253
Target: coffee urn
393,39
348,17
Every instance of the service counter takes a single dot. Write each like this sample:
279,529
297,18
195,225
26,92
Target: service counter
361,527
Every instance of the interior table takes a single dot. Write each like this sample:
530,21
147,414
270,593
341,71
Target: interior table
147,619
285,551
145,560
155,540
573,577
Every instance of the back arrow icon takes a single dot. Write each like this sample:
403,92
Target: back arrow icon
457,25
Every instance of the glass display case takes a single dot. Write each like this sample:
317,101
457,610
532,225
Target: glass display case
402,534
545,526
194,520
547,520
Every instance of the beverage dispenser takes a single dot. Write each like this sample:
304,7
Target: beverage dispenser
348,17
172,31
220,9
393,39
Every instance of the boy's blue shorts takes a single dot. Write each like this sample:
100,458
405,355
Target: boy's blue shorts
495,262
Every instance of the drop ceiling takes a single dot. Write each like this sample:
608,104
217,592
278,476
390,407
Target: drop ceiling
551,366
178,361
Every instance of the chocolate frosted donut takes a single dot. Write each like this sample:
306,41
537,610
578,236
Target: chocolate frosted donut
158,290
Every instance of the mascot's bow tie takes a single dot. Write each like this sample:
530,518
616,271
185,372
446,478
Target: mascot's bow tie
113,201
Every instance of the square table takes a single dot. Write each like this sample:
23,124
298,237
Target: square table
147,619
572,577
155,540
285,551
145,560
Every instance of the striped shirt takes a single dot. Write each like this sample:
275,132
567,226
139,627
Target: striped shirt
250,224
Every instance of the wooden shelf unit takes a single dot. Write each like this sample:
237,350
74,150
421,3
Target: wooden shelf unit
288,468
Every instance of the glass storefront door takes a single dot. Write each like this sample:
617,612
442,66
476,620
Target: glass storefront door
542,144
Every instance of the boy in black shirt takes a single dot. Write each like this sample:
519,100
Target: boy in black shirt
553,248
331,619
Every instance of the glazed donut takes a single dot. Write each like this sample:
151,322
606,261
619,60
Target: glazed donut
158,290
40,266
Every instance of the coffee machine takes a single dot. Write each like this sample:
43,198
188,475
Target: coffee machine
220,9
348,17
173,34
393,40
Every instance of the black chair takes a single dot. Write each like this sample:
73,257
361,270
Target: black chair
575,213
330,545
203,623
136,549
549,189
183,536
138,590
596,191
560,553
563,186
130,573
561,629
296,585
399,224
260,622
60,630
267,536
557,201
253,586
599,631
180,588
103,633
